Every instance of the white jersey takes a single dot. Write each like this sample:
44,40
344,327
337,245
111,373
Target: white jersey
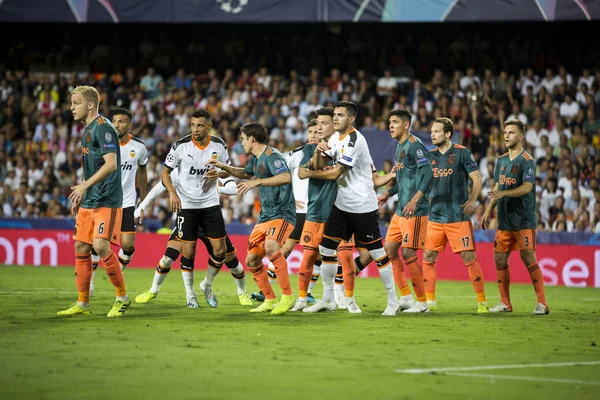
133,154
356,193
194,190
300,186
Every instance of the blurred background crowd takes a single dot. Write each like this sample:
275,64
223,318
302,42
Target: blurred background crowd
279,76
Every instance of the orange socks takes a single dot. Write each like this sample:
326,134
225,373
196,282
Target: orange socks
83,276
306,270
283,277
262,281
399,276
429,279
416,276
348,270
537,278
503,277
113,269
476,276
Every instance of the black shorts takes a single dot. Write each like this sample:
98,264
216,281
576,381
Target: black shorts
127,221
365,227
210,220
297,232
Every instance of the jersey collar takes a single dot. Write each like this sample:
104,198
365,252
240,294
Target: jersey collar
342,137
128,140
198,144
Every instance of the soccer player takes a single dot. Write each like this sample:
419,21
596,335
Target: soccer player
134,158
514,194
300,187
174,248
97,202
196,199
355,208
277,213
451,208
409,224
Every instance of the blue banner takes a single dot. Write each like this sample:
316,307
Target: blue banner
259,11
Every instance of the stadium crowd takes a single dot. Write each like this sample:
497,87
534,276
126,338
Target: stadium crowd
39,144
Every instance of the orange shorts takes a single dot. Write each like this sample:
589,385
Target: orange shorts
104,223
312,234
507,241
410,232
459,234
278,229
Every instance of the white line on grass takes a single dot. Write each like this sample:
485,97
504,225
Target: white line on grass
487,367
522,378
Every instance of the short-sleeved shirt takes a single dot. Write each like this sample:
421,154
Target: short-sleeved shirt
100,138
276,202
321,193
412,159
516,213
356,192
194,190
450,189
300,186
133,154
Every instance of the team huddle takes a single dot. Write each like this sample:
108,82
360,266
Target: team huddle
322,195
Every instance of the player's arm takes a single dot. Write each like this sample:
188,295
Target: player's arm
382,180
490,207
156,191
522,190
142,178
321,155
227,187
171,162
237,172
469,205
278,168
424,177
331,174
469,164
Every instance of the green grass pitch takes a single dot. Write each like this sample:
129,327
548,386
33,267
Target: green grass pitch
163,350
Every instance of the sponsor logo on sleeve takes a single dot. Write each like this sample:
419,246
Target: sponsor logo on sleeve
420,153
530,174
108,145
277,163
170,158
346,158
422,161
108,137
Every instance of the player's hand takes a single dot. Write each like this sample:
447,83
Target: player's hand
244,187
216,163
303,173
140,215
322,147
75,208
393,171
468,207
78,192
383,198
174,202
496,194
300,204
485,220
212,174
409,209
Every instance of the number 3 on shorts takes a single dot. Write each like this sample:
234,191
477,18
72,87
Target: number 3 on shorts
101,228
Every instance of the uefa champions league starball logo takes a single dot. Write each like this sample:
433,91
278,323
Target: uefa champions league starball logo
232,6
